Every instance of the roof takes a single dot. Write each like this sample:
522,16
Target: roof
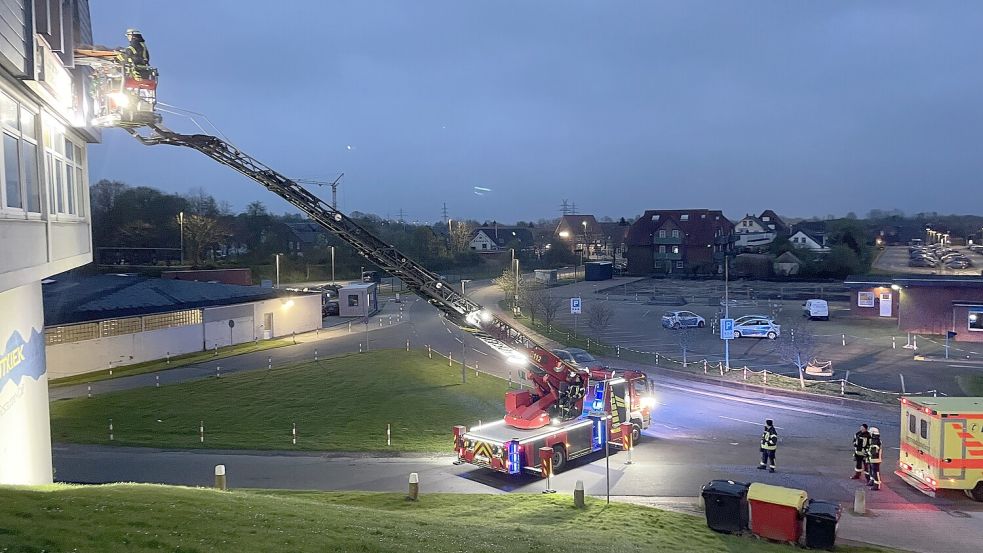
773,218
575,223
358,286
502,236
616,231
308,232
94,298
936,281
788,257
700,227
815,237
950,404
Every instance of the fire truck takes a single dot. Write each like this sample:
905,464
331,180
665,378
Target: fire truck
942,444
567,406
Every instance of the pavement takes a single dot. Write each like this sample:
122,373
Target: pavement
700,432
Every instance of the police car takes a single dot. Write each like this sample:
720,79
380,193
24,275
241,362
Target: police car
757,328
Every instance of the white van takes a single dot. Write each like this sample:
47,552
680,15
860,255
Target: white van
816,309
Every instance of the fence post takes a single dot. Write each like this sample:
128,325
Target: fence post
745,372
704,366
764,376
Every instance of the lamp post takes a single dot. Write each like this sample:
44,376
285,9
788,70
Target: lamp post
332,265
463,282
277,257
180,218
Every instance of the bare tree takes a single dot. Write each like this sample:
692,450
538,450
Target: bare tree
532,302
513,285
797,345
599,315
684,336
550,307
202,233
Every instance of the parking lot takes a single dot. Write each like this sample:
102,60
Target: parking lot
871,350
894,260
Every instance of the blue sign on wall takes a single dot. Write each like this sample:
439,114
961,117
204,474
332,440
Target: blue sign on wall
19,358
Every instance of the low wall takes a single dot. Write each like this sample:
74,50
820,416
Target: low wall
92,355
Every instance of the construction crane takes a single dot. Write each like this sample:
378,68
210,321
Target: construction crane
334,187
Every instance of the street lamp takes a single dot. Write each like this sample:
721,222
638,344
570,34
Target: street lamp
180,218
277,256
332,265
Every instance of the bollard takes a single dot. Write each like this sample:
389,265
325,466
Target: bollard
720,365
89,391
843,387
860,501
578,494
619,351
269,363
158,380
389,435
360,347
295,434
903,391
450,358
894,344
315,354
476,368
745,372
914,342
407,345
220,477
215,350
588,343
110,429
414,487
201,431
844,339
168,358
704,366
764,376
349,327
429,352
218,371
656,358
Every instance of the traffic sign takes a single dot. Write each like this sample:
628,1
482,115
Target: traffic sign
726,329
575,306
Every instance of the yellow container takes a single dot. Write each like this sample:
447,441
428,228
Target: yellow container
777,495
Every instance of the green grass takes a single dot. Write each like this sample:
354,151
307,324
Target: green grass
339,404
136,518
175,361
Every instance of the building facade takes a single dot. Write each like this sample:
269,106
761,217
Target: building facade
694,241
498,239
44,209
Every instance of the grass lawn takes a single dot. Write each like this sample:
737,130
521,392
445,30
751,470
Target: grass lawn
176,361
338,404
136,518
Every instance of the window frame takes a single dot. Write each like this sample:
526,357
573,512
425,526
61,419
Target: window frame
15,130
62,168
978,311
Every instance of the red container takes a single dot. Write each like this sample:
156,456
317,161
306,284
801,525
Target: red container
776,512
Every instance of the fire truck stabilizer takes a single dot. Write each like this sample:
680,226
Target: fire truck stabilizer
942,444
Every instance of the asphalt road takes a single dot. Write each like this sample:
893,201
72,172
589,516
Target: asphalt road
894,259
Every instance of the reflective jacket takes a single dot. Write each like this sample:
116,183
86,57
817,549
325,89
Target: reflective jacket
874,451
769,439
136,53
861,440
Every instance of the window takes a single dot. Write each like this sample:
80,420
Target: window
655,217
63,167
168,320
976,319
684,217
912,426
924,429
662,233
675,249
662,249
353,300
679,264
20,188
675,233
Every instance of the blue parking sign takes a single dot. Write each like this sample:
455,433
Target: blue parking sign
575,306
726,329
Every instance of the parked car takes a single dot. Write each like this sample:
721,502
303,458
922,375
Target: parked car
816,309
578,358
757,328
958,264
683,319
743,318
330,308
918,262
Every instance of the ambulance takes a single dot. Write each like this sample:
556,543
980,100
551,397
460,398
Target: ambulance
942,444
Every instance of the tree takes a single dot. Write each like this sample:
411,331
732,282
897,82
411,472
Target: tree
512,284
798,345
532,303
599,315
202,233
684,337
551,305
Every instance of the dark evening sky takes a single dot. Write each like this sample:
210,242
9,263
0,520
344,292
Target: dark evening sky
807,108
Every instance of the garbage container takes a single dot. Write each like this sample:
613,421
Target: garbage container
822,518
776,511
725,502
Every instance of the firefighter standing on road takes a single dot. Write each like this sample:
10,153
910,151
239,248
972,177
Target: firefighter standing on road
769,443
860,442
874,459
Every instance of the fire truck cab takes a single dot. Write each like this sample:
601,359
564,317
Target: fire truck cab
942,444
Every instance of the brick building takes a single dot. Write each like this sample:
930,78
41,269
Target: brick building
930,304
679,241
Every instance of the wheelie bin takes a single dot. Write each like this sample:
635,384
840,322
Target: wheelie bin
776,512
822,518
725,503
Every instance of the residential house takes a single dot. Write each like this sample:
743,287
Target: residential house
756,233
611,241
501,238
304,236
787,264
674,241
577,231
809,240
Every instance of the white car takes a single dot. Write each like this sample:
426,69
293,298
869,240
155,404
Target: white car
683,319
816,309
757,328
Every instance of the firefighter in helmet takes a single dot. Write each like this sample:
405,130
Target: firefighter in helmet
769,443
135,57
860,442
874,451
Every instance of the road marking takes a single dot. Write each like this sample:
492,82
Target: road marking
479,351
749,422
459,341
755,402
646,313
448,330
964,366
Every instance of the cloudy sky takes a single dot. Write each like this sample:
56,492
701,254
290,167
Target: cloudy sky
808,108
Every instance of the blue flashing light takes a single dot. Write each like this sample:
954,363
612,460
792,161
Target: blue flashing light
515,458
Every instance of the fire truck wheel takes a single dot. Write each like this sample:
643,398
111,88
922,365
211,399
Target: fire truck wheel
559,458
636,433
976,494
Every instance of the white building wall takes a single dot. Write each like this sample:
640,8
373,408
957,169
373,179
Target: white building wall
294,314
25,436
127,349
